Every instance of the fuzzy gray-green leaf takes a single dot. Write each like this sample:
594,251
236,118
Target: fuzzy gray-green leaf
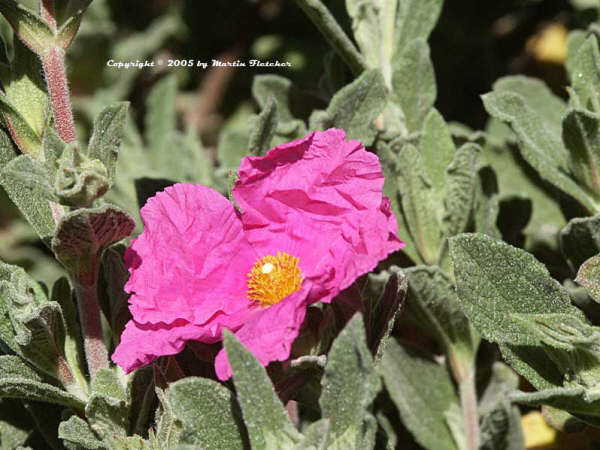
107,135
414,94
84,234
76,431
265,127
423,393
415,19
356,106
581,135
29,191
350,382
209,413
589,277
541,144
495,280
264,415
461,178
433,300
418,203
580,240
585,75
437,153
18,380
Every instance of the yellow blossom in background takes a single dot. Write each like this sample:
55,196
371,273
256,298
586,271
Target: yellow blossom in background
538,434
550,44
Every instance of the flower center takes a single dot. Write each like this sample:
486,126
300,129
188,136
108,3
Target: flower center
273,278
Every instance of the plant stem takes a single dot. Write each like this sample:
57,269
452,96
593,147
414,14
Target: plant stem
48,13
53,63
468,399
55,71
91,324
318,13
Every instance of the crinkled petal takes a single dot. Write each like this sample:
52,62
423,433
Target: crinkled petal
320,199
269,333
192,259
142,344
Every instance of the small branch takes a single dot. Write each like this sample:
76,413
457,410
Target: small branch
318,13
48,13
91,325
55,71
468,399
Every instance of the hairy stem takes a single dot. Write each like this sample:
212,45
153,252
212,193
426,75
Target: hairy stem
318,13
55,71
48,13
91,324
468,399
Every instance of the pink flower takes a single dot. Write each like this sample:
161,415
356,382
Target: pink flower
313,220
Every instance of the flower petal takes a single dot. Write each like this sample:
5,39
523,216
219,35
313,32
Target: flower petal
319,199
269,333
192,259
142,344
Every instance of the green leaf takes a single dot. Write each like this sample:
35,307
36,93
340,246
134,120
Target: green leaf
265,87
501,421
80,180
495,280
350,383
69,15
415,20
264,415
541,146
437,153
580,240
562,420
24,137
168,427
581,135
575,399
381,311
423,393
83,235
161,119
418,204
486,205
519,181
26,171
264,129
210,416
415,95
585,74
26,92
30,27
106,138
7,151
15,424
331,30
574,42
461,178
36,327
107,407
355,108
73,349
391,163
29,193
18,380
76,431
589,277
434,303
316,436
366,28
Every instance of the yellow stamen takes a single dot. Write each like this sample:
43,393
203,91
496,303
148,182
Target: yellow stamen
273,278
